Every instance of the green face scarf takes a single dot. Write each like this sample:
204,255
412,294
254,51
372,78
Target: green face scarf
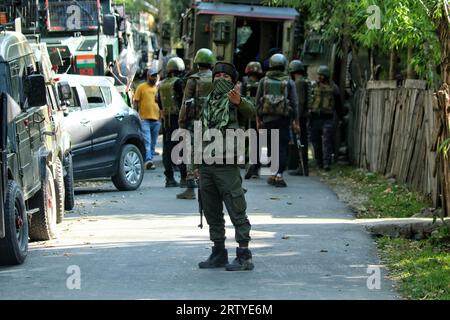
216,114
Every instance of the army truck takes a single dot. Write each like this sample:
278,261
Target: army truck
59,94
81,35
28,207
240,31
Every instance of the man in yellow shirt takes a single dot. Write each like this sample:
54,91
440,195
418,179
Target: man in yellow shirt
145,102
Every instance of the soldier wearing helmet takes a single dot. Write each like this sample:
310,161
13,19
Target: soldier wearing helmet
298,74
278,110
198,87
170,98
325,105
249,88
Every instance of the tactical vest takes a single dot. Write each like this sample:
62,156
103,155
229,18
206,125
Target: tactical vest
169,104
275,100
322,99
251,88
203,87
305,95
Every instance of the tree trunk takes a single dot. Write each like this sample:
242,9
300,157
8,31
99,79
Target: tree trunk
443,97
444,39
393,65
410,73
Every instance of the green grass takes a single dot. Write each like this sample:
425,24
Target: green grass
385,199
421,269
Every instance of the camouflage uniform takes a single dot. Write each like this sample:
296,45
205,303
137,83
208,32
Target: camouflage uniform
197,88
170,97
303,90
249,88
222,183
325,104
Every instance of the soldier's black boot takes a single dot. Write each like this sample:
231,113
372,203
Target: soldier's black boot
249,173
183,183
189,193
171,183
217,259
243,261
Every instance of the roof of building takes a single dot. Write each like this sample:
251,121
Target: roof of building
241,10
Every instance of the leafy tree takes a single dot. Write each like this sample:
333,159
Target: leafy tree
418,26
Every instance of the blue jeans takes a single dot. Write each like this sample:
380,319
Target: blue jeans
150,130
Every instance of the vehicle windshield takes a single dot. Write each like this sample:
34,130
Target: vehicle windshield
75,15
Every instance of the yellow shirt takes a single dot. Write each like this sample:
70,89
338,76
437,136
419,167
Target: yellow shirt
145,95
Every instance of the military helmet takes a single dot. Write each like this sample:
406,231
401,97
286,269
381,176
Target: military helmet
278,60
205,56
324,71
175,65
296,66
253,67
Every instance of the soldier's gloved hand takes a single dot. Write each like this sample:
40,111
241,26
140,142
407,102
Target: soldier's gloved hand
234,97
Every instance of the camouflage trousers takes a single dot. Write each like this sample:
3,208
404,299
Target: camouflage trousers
322,137
222,184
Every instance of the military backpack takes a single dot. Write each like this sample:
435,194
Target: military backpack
170,105
322,101
275,100
203,87
251,88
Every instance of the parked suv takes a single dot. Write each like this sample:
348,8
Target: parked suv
28,166
106,134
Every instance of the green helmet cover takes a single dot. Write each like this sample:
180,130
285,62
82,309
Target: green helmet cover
205,56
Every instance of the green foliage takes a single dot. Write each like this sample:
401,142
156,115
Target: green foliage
404,24
421,269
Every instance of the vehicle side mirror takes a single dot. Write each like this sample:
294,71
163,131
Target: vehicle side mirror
64,91
109,25
35,91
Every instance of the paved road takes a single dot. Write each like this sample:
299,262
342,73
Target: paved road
146,245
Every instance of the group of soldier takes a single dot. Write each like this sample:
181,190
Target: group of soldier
283,99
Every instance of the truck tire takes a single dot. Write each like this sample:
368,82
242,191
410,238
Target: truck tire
60,191
130,171
43,222
69,201
14,247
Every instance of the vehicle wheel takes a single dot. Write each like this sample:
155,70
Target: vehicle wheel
43,222
69,201
131,169
60,191
14,247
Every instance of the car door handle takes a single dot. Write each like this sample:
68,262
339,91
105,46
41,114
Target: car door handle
85,122
120,117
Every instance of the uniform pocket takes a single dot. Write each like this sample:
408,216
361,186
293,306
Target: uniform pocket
238,201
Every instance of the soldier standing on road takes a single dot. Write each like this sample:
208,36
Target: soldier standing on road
170,97
298,73
198,86
326,103
222,183
249,88
145,103
277,110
